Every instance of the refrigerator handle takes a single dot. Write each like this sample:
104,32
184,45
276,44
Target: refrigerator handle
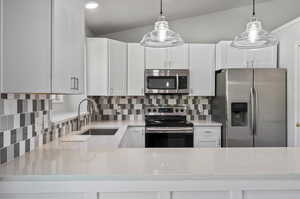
253,110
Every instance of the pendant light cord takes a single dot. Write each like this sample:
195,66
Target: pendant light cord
253,13
161,8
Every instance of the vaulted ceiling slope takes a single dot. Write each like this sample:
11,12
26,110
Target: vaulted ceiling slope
118,15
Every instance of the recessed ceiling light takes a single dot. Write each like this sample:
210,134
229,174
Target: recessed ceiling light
91,5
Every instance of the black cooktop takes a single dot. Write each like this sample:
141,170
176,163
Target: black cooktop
167,122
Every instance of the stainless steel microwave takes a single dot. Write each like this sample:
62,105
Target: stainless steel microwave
165,81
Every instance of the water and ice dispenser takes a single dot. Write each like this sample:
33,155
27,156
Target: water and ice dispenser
239,114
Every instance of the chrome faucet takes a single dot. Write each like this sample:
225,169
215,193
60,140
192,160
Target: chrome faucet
91,107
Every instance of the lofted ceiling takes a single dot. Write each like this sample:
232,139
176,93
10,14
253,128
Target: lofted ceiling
118,15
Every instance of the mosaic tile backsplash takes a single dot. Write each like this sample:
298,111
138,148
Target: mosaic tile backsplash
25,124
132,108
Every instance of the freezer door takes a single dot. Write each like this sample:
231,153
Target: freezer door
270,86
239,132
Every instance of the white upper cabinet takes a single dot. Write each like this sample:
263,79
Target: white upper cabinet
26,45
179,57
68,46
229,57
263,58
202,69
117,68
42,42
167,58
156,58
135,69
106,67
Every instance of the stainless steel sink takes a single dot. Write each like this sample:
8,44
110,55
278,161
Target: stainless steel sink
100,132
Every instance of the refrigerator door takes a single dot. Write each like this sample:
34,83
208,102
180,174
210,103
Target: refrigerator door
270,86
239,131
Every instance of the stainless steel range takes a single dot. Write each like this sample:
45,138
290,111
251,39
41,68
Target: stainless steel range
167,127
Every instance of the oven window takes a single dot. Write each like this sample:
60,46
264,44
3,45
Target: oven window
169,140
167,83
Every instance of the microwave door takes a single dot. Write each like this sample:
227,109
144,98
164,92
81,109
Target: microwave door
168,84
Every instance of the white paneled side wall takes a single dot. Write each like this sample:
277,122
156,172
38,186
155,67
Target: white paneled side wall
288,36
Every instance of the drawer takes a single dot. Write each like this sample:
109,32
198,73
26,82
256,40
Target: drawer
208,132
210,143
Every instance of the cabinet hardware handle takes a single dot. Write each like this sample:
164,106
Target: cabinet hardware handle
77,83
72,83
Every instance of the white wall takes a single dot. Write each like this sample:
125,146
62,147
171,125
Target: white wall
288,35
222,25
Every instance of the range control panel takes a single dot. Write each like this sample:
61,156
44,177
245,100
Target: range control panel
165,110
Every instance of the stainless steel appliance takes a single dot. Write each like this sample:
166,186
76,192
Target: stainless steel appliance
163,81
166,127
251,104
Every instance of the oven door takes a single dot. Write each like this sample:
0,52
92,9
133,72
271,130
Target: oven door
169,137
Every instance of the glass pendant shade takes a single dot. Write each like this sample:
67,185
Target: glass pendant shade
162,36
254,37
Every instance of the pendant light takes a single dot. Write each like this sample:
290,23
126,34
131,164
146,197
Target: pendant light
255,36
161,36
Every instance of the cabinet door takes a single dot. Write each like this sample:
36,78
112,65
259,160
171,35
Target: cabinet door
45,196
156,58
178,57
136,67
129,195
263,58
68,46
202,69
117,68
135,137
26,38
207,137
229,57
97,67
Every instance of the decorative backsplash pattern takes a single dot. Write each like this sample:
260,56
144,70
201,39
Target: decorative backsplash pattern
132,108
25,124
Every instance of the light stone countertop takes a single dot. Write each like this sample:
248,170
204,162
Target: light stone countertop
94,160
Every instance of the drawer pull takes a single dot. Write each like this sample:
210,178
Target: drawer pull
208,132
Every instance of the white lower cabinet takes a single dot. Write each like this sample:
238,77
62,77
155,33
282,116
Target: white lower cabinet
134,138
207,137
46,196
130,195
272,194
201,195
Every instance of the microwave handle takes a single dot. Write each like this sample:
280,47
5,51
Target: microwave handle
177,83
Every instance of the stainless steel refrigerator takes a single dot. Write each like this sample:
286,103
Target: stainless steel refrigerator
251,105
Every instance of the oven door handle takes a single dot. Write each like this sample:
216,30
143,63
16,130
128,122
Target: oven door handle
169,130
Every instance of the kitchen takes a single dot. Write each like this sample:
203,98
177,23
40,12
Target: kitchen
99,105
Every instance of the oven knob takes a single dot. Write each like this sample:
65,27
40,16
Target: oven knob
176,110
154,110
182,110
149,110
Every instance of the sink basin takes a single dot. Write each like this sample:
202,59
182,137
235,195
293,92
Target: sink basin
100,132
